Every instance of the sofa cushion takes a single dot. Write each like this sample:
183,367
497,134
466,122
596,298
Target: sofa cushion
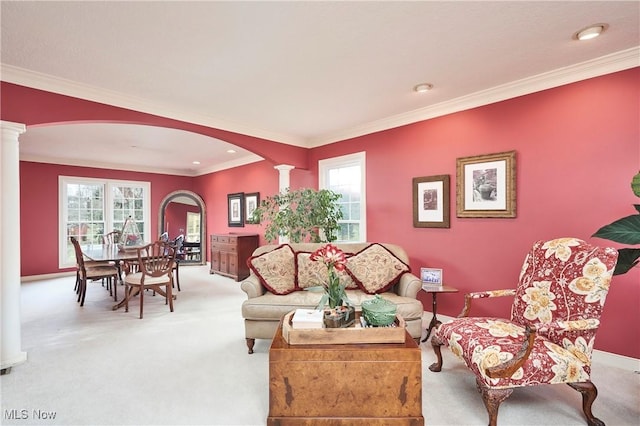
375,269
271,307
311,273
276,269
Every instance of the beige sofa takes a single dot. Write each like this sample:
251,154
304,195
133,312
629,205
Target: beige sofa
279,274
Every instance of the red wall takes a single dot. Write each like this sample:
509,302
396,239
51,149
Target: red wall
39,208
175,215
578,146
577,149
257,177
34,107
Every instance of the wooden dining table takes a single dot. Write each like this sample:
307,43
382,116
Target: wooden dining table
110,253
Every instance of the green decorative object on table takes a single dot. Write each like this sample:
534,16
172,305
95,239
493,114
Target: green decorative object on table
378,311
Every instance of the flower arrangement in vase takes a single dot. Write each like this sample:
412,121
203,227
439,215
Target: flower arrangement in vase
340,308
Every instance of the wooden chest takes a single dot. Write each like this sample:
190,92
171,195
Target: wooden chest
360,384
229,254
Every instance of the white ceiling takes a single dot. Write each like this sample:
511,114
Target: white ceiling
302,73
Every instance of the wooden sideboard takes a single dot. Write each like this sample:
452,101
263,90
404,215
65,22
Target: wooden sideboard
229,254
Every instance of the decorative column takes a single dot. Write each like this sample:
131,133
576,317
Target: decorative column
283,185
10,338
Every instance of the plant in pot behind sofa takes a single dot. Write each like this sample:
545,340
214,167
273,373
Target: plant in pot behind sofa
300,215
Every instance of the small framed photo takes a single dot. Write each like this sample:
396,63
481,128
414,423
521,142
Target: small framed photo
431,202
431,276
236,209
251,202
486,185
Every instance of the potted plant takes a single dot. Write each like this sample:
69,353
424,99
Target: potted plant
625,231
341,312
301,215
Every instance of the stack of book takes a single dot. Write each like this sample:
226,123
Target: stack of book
432,286
307,318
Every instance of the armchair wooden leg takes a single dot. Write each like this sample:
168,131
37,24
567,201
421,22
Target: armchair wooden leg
589,393
436,366
492,399
250,343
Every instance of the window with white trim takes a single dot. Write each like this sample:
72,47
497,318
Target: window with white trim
90,208
193,227
346,176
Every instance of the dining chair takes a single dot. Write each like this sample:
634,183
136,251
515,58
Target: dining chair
155,262
112,237
549,337
92,271
178,244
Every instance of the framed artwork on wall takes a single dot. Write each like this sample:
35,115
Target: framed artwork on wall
431,202
431,276
486,185
251,202
236,209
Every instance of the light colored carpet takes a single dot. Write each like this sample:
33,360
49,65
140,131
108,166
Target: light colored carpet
95,366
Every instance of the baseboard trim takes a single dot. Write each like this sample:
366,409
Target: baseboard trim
619,361
607,358
29,278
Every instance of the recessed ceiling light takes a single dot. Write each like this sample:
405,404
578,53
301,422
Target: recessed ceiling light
231,151
422,87
196,162
592,31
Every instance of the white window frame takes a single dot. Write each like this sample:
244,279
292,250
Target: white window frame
192,217
63,181
359,159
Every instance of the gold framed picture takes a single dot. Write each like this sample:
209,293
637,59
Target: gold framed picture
486,185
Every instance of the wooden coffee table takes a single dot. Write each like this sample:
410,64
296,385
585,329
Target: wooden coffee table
361,384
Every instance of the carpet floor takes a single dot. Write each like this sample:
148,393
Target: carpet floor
94,366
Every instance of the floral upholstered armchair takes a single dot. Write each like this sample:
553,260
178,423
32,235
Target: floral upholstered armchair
549,338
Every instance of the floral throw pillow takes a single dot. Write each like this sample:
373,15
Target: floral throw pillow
375,269
311,274
275,269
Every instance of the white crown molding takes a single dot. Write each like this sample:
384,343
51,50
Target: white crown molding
608,64
36,80
134,168
247,159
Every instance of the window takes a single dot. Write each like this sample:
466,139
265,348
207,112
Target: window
346,176
89,208
193,227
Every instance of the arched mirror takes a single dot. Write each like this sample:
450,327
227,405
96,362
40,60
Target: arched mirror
183,213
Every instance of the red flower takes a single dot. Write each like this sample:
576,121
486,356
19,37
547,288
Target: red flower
331,256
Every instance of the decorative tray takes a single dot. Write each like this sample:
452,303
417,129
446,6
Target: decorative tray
343,336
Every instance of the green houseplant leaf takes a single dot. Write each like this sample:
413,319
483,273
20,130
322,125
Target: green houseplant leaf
301,215
625,231
627,259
